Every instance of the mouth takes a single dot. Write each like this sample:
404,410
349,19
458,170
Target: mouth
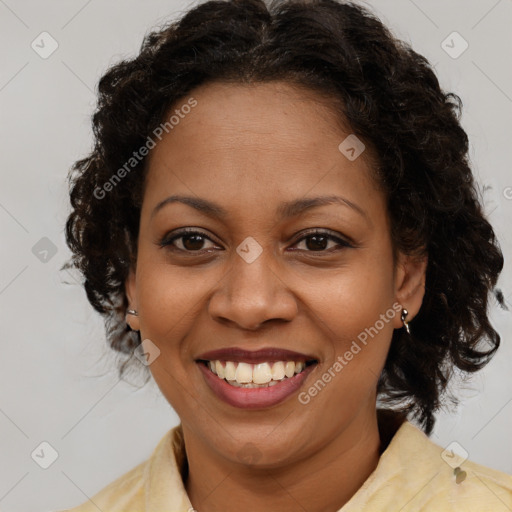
255,379
259,375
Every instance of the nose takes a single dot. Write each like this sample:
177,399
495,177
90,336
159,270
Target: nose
251,294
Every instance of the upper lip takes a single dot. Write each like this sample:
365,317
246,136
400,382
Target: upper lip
254,356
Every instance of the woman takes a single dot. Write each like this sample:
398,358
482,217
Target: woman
278,221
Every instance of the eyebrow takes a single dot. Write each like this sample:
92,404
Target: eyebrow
285,210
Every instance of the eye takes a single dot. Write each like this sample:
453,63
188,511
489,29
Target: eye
317,241
191,240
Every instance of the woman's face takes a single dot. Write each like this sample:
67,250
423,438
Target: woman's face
249,281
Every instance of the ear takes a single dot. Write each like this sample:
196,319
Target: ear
130,290
410,278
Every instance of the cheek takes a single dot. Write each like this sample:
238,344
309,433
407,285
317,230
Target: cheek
360,329
170,297
353,309
358,324
351,298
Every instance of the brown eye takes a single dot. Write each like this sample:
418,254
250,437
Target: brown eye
187,241
317,241
192,242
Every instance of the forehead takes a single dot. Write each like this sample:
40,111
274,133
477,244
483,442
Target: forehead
289,116
245,143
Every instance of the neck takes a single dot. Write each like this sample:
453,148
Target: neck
337,470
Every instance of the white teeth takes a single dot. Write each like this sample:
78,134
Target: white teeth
219,369
243,374
278,371
229,370
261,373
255,375
289,369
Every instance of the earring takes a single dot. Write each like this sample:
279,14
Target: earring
403,317
131,312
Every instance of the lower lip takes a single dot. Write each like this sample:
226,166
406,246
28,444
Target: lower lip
254,398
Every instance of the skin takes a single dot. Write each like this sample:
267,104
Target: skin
249,148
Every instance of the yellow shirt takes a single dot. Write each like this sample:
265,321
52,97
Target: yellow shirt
411,476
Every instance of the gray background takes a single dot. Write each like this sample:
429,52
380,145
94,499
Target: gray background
58,379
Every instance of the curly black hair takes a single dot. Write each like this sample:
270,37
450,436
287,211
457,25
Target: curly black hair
390,98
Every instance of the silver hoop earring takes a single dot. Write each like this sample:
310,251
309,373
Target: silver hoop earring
132,312
403,317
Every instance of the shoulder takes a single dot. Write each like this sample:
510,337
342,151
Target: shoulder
128,492
414,474
444,479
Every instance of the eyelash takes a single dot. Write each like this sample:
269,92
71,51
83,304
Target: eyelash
168,243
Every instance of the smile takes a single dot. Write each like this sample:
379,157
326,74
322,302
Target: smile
255,379
247,375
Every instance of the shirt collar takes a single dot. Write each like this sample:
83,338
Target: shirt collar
167,469
166,473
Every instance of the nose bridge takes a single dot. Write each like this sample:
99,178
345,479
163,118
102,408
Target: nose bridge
252,292
252,272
